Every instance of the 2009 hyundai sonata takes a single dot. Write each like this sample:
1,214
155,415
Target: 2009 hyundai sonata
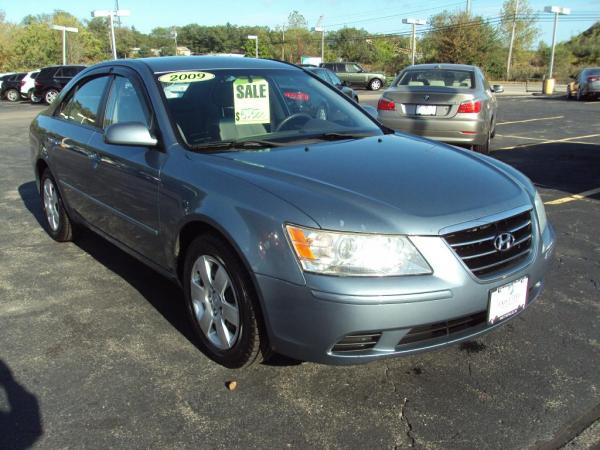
294,221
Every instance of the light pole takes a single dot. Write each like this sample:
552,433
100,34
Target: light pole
414,23
319,28
557,11
64,38
174,36
254,38
111,15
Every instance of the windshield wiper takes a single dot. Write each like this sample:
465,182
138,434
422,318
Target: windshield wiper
339,136
235,144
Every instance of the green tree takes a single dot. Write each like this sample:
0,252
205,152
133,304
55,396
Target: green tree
464,39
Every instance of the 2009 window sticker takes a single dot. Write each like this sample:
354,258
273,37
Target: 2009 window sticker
251,101
186,77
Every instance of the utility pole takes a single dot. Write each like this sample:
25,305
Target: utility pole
64,39
413,45
512,40
283,42
174,35
254,37
469,7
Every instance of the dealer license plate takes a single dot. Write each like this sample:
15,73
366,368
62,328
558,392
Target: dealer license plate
507,300
426,110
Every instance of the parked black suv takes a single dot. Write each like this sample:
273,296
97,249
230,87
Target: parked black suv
52,79
11,87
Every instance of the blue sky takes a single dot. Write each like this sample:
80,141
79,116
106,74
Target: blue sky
385,17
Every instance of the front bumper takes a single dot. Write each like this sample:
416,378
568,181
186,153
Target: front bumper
456,130
306,322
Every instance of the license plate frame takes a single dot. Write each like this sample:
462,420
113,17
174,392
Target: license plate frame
507,300
426,110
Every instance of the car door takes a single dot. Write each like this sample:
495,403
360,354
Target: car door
489,101
354,75
126,178
70,130
340,71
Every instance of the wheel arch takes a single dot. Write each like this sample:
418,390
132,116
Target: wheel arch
200,225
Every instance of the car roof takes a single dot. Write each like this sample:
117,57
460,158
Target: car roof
174,63
443,66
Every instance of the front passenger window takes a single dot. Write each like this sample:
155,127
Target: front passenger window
125,105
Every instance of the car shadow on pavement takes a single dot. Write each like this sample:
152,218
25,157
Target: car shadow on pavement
564,166
21,424
164,295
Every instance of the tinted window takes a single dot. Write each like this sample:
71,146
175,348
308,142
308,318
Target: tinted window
124,104
353,68
34,75
66,72
334,78
47,73
437,78
82,107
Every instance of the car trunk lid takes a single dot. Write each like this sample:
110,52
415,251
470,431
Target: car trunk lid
427,102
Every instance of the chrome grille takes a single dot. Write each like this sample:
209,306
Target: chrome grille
475,246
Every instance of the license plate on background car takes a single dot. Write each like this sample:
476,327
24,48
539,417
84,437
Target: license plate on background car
426,110
507,300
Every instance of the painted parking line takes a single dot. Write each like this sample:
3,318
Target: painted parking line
571,140
574,197
531,120
512,136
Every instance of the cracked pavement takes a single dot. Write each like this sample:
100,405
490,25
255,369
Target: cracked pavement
95,349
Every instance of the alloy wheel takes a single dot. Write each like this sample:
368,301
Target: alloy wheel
51,204
215,302
12,95
51,96
375,84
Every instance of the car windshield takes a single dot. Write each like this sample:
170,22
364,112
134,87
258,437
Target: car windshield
276,105
437,78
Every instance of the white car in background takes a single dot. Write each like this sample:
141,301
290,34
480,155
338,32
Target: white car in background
27,85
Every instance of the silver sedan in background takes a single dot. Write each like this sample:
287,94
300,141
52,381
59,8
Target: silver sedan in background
452,103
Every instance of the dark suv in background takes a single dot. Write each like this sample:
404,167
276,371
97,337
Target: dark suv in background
52,79
11,86
354,74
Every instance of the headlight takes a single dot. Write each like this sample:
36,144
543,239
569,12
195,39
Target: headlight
355,254
540,212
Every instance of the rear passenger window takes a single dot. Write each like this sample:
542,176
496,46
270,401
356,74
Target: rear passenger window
124,104
82,107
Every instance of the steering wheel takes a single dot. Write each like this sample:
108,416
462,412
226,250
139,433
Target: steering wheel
291,118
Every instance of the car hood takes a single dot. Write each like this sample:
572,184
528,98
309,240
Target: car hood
388,184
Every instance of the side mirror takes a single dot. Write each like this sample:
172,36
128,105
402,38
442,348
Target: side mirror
497,88
371,110
129,133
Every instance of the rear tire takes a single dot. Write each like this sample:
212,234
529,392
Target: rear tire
58,224
221,304
375,84
485,147
12,95
33,98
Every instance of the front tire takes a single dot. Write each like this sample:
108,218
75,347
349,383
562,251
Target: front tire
58,224
221,304
375,84
50,96
12,95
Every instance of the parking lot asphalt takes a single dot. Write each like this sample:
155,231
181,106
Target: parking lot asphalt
95,349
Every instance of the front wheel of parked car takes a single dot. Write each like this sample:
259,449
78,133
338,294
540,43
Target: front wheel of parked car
58,224
485,147
12,95
375,84
50,96
222,305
